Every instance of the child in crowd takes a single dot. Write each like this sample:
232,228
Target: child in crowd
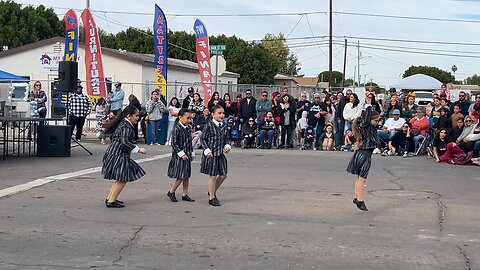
180,166
365,131
328,138
215,145
348,141
457,114
301,126
309,138
117,163
444,121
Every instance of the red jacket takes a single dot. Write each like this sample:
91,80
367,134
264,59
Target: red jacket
422,125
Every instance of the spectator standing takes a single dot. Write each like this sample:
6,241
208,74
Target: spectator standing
196,106
275,106
215,100
351,110
116,101
331,110
302,105
388,100
133,101
462,103
394,105
173,109
39,96
229,106
247,107
316,117
79,107
188,99
342,101
155,114
263,106
287,121
236,105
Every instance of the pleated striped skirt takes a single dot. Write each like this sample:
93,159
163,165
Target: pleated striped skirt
214,166
360,162
121,167
179,168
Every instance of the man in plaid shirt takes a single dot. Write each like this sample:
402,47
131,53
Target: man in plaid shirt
79,107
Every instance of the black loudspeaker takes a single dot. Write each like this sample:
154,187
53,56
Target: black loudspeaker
53,141
67,76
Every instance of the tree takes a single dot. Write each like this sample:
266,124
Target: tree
474,80
337,77
276,45
349,82
441,75
20,26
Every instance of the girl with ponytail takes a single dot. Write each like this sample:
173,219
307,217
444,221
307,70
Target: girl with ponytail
180,166
365,132
117,163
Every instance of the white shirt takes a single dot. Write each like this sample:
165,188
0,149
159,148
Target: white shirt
391,124
171,117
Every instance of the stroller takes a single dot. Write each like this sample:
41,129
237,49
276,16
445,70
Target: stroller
309,138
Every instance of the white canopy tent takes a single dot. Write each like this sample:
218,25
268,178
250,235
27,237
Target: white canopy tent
418,82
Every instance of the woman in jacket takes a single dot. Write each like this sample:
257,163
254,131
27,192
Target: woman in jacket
286,111
155,113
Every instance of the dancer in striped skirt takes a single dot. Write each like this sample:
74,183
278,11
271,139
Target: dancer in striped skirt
180,166
365,131
215,145
117,163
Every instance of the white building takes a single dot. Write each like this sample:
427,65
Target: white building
39,61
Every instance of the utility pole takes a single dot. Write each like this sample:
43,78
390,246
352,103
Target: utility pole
344,63
358,69
330,53
88,4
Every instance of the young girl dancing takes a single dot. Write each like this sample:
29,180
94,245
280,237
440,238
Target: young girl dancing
180,166
215,145
365,131
117,163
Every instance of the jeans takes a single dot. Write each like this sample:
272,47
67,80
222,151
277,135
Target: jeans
347,126
269,133
169,131
476,149
417,139
153,128
318,133
340,130
286,135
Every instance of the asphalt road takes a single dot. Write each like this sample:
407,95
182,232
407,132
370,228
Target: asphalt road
280,210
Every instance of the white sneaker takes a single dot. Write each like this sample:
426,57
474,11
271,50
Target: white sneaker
405,155
377,151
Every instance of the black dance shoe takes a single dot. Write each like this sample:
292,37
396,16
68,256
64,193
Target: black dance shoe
114,205
361,205
120,202
187,198
172,196
214,202
355,201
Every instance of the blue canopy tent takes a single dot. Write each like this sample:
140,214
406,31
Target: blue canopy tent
9,77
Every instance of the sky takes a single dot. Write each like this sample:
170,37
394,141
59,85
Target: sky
460,23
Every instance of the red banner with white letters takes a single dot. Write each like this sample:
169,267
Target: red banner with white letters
95,79
203,59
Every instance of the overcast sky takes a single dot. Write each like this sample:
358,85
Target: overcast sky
383,67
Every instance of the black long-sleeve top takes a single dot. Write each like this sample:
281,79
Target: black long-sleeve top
369,131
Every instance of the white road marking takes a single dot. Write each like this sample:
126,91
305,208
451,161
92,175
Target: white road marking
42,181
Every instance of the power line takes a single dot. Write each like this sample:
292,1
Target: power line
406,17
412,41
189,15
301,17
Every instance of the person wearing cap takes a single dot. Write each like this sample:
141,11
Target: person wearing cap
79,107
391,126
188,99
116,101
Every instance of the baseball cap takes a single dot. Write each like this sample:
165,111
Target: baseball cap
118,84
393,90
396,111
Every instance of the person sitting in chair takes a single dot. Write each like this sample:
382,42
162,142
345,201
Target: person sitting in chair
249,133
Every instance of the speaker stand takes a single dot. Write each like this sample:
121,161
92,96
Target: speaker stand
80,144
68,122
